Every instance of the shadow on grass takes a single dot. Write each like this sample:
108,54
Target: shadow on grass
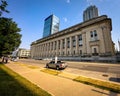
11,86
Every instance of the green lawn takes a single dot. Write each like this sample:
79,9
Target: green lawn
12,84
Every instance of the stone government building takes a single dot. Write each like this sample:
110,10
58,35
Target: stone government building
89,40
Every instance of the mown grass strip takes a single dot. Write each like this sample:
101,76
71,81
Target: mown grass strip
12,84
33,67
50,71
98,83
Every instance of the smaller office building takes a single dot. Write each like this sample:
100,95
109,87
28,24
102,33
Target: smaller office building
23,53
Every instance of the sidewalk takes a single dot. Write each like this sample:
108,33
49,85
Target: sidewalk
57,86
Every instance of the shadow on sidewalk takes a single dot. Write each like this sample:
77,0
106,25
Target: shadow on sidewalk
115,79
106,94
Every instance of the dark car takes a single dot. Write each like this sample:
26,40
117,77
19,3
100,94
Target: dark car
58,65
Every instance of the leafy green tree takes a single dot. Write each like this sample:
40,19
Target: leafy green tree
3,5
10,38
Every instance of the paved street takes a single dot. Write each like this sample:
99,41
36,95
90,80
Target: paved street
98,67
89,66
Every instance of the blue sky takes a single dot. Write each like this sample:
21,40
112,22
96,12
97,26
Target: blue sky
30,15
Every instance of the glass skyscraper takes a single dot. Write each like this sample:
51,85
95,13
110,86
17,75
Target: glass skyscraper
90,12
51,25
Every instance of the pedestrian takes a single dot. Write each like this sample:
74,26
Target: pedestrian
6,59
3,58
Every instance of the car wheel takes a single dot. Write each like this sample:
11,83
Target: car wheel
57,68
47,66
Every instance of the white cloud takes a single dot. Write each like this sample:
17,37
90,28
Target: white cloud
65,19
68,1
91,1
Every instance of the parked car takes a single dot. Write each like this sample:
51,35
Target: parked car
58,65
15,59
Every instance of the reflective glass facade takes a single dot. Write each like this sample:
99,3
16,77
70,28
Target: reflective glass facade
51,25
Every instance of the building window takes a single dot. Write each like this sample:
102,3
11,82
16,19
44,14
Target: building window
68,52
48,46
94,35
74,52
45,47
95,52
80,40
52,46
80,52
63,43
74,41
59,53
68,43
58,44
91,34
55,44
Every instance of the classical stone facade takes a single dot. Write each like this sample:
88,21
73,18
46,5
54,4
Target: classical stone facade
89,38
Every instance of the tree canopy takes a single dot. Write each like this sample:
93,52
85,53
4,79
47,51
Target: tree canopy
3,5
9,36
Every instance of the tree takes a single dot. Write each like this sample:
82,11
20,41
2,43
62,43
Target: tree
10,38
3,5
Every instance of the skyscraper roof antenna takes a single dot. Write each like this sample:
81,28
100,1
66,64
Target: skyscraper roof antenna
90,3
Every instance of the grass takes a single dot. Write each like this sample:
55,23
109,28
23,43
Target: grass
98,83
50,71
33,67
12,84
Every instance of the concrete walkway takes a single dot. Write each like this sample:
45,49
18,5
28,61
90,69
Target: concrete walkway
57,86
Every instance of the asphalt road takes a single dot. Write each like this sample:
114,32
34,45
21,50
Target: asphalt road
89,66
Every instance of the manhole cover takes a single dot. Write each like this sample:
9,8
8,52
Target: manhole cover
105,75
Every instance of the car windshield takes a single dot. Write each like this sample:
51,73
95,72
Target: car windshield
58,61
54,62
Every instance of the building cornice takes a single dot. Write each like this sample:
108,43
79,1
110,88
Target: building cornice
74,28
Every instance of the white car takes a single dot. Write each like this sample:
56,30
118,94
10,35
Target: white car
58,65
